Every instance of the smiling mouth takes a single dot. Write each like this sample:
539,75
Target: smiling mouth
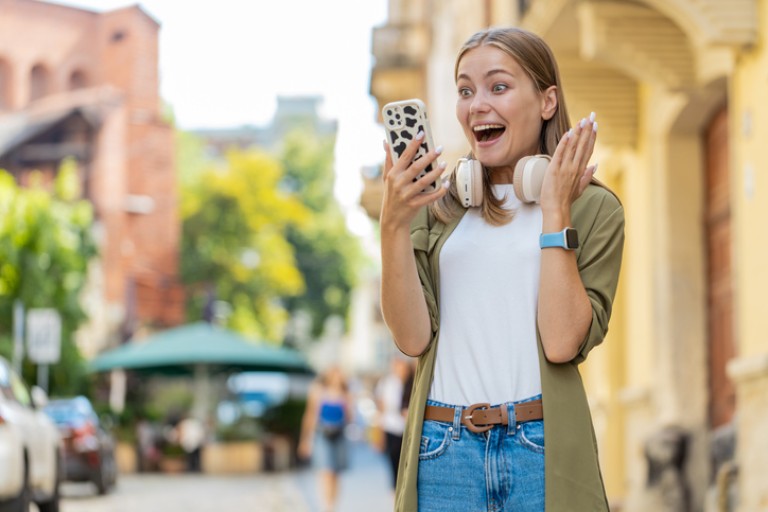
488,132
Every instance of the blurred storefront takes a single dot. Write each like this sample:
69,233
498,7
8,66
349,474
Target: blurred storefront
85,85
681,383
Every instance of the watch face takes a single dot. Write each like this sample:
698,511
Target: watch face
572,238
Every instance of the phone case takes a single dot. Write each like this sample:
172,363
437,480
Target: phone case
402,121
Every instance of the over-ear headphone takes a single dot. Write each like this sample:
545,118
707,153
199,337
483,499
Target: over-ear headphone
527,179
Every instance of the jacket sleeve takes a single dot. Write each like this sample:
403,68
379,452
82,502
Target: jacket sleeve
600,223
423,241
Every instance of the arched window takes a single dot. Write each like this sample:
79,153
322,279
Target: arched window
5,85
38,82
78,80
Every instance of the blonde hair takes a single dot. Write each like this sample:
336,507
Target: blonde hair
537,60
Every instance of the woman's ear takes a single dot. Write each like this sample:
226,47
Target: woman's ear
549,102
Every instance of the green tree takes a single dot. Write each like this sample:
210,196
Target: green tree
235,215
266,234
45,248
328,255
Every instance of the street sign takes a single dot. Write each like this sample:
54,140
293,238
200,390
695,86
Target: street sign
43,335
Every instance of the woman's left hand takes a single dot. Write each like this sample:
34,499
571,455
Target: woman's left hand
568,174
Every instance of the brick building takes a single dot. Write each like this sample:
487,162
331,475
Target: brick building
84,84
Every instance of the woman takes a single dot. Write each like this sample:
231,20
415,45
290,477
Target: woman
499,317
389,400
328,411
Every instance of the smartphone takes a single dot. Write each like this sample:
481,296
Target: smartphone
402,121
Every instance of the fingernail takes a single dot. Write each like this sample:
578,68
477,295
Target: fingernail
594,171
442,165
570,132
420,135
583,123
592,117
446,184
438,150
594,127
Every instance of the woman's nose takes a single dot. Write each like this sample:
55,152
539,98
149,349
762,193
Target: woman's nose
479,104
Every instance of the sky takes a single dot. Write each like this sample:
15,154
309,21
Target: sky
224,63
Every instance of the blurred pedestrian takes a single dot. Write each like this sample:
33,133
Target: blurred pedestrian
501,298
389,401
328,412
146,446
191,437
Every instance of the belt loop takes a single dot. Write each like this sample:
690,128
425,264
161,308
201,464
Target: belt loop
457,422
512,419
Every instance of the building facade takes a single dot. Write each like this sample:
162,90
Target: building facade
84,85
292,113
680,387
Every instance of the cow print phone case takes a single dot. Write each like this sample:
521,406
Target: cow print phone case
402,121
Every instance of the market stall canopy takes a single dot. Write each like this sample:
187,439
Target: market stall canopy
181,349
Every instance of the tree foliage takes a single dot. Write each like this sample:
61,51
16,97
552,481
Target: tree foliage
45,247
266,235
235,215
328,255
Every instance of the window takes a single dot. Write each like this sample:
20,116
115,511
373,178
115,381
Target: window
523,6
77,80
38,82
5,85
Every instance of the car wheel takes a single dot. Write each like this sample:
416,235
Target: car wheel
100,481
112,471
52,505
21,502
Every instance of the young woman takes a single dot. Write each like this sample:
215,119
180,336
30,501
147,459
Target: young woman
328,412
499,315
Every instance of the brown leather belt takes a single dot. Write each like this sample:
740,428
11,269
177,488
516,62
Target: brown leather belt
482,417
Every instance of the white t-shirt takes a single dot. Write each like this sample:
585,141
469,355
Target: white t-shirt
489,286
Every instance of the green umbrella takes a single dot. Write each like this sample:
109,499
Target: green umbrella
181,349
198,350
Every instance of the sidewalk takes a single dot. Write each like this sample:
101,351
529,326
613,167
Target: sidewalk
365,486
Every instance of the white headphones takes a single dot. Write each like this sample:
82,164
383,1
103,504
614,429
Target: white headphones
526,180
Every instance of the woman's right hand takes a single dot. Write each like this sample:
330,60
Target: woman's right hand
403,196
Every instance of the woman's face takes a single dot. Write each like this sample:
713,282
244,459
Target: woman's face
499,107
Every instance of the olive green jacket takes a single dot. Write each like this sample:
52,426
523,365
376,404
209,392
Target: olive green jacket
573,479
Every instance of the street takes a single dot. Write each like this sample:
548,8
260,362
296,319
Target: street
365,486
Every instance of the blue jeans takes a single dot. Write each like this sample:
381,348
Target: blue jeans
496,471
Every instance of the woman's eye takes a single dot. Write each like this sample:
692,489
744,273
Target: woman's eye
500,87
464,92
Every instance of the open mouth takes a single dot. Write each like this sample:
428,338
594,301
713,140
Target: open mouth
487,132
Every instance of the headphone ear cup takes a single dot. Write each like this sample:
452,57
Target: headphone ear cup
477,182
528,177
469,182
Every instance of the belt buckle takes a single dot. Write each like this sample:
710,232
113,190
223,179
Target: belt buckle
466,418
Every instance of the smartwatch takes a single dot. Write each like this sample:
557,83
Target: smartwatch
566,239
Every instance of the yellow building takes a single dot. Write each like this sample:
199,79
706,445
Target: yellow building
680,89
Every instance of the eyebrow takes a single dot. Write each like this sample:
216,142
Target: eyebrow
489,74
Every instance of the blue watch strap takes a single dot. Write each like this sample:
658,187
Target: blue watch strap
567,239
552,240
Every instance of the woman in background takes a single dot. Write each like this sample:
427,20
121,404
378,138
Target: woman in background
328,411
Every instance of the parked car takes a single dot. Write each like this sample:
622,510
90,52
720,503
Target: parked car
30,447
89,448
